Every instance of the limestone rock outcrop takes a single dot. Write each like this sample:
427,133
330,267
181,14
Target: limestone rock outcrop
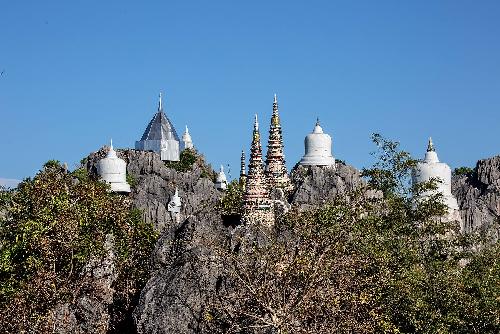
154,185
315,185
478,196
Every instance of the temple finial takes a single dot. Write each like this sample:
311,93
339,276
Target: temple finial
187,130
111,144
221,168
275,98
317,121
430,145
160,106
256,123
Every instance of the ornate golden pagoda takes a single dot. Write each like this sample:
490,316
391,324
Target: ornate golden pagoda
257,206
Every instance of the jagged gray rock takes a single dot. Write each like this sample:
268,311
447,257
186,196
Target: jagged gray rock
184,266
478,197
155,183
89,313
316,185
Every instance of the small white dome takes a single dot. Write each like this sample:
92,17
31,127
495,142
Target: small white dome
429,168
113,170
318,148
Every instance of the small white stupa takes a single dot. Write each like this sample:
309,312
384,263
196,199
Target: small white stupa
174,205
221,181
318,148
113,170
187,142
429,168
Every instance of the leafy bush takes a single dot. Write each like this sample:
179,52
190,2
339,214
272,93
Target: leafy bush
232,201
53,228
467,171
188,159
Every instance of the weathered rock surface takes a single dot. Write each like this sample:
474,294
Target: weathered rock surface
89,313
317,185
155,184
185,265
478,197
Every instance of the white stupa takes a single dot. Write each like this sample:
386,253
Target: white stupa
174,205
318,148
187,142
113,170
221,181
429,168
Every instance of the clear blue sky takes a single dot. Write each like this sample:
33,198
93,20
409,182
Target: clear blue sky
78,73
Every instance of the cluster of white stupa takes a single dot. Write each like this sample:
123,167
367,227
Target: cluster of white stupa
160,136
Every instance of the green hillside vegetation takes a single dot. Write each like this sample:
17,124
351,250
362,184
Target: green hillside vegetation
52,228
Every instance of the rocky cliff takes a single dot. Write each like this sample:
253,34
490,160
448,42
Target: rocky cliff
186,263
316,185
478,196
183,272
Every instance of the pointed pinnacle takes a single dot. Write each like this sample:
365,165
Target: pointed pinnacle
430,145
160,106
275,99
256,123
111,144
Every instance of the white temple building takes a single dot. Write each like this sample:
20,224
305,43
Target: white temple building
431,168
221,180
160,136
187,142
113,170
318,148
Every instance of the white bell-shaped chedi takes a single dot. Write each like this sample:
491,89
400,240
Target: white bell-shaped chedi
187,142
160,137
431,168
318,148
221,180
113,170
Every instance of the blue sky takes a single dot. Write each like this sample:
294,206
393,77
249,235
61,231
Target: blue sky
78,73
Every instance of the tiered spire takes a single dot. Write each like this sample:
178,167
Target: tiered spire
256,198
276,171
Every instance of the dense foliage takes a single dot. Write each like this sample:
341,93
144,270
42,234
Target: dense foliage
188,159
364,263
232,201
58,232
463,171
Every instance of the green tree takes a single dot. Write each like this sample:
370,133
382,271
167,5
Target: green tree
53,227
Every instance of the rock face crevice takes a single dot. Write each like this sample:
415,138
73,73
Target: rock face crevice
478,197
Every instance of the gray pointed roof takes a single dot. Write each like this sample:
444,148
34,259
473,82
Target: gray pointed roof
160,128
